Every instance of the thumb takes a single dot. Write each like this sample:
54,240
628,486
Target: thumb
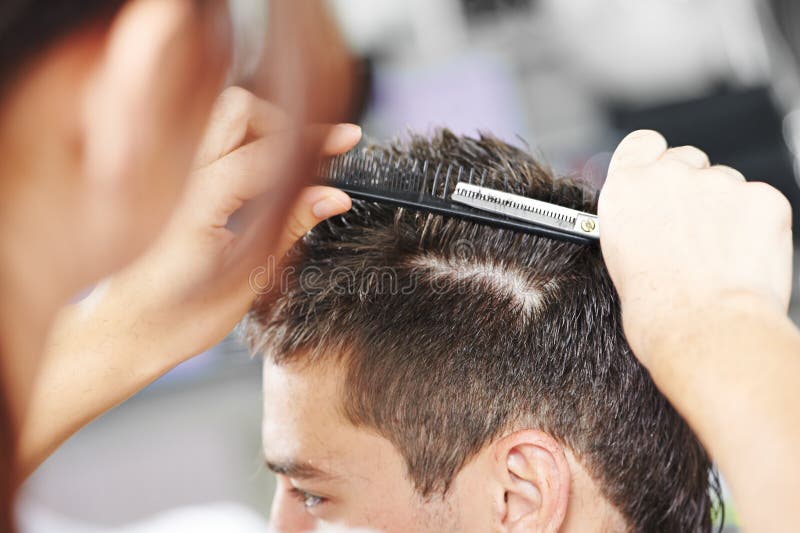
638,149
314,205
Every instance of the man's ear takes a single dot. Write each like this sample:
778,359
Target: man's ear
535,477
155,79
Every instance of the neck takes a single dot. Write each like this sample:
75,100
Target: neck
35,260
30,299
589,510
36,255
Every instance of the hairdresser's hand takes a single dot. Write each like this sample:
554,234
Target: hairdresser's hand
680,236
192,287
702,263
198,273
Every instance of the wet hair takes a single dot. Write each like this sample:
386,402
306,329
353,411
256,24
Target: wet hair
27,28
452,334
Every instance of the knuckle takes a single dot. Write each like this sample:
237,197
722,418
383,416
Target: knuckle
234,94
687,154
236,103
640,135
694,150
773,202
680,149
783,210
725,170
296,227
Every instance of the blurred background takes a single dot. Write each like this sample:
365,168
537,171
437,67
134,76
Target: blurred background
567,78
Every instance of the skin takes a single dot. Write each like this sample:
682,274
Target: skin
702,263
119,157
99,133
74,205
196,275
329,471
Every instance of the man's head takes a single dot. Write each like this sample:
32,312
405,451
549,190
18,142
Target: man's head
430,374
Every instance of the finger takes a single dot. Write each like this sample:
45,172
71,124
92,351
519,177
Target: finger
729,171
332,139
315,204
340,138
261,240
689,155
254,168
638,149
237,118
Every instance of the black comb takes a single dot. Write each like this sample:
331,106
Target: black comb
454,191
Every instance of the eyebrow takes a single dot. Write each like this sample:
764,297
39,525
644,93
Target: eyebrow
297,470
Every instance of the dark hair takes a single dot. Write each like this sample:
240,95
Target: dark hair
28,27
7,469
452,333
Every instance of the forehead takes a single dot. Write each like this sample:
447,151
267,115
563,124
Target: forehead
301,386
366,475
303,422
300,403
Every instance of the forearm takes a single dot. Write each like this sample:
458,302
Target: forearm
732,372
99,353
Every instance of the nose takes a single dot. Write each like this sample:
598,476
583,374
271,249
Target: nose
288,515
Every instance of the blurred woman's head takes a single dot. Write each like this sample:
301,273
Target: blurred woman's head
101,105
102,111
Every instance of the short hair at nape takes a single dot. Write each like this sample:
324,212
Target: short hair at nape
452,333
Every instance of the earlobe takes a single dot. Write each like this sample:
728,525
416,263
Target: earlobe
536,482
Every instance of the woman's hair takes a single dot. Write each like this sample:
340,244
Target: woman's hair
27,28
7,471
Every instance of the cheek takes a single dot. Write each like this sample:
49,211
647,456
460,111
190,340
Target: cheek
198,79
398,509
153,199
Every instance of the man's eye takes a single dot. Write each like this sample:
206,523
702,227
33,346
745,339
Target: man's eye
306,498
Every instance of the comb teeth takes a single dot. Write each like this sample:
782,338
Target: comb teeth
451,190
392,173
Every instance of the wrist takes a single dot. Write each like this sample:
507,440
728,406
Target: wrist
667,336
162,320
120,321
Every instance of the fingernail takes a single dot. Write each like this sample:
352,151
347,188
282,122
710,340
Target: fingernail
345,128
332,205
342,136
